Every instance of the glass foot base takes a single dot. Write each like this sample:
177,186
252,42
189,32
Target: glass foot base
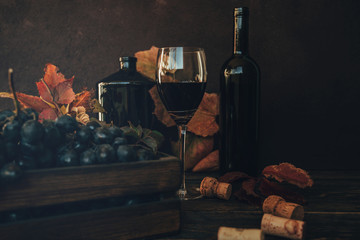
184,195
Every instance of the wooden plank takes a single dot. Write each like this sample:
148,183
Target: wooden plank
115,223
68,184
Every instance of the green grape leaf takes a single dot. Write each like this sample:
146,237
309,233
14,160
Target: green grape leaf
150,142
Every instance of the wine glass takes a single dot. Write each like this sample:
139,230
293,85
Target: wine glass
181,81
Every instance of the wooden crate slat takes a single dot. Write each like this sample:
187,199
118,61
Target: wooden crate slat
68,184
116,223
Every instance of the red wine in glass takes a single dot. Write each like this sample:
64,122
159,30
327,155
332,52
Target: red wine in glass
181,80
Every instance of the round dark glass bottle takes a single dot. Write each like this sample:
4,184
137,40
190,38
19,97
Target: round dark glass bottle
239,103
125,97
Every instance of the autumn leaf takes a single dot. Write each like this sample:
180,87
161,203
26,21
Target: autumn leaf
27,101
52,77
231,177
196,149
267,188
63,92
247,192
48,113
160,110
287,172
146,62
208,163
83,99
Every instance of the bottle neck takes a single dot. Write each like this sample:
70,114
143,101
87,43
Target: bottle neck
128,64
241,38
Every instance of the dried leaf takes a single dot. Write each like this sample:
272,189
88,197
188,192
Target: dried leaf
247,193
231,177
196,149
146,62
150,142
43,92
267,188
287,172
204,122
48,113
96,106
160,110
209,163
52,77
83,99
63,92
27,101
159,138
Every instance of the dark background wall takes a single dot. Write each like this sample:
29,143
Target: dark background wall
308,52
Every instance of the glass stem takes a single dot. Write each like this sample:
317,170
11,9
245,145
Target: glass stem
182,191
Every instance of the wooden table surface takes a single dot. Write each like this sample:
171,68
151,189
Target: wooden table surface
332,210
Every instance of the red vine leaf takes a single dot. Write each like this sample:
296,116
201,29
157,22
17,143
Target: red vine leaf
48,113
146,62
196,149
63,92
34,102
160,110
208,163
287,172
83,99
247,192
27,101
267,188
231,177
43,92
52,77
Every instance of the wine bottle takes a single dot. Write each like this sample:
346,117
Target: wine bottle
239,103
125,96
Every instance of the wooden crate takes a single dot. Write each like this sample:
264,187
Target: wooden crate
41,189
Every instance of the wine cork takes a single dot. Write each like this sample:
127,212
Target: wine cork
283,227
228,233
210,187
277,206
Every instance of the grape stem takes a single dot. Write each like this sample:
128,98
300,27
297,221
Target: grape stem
12,90
52,96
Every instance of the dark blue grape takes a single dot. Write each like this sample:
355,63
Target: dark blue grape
116,131
126,153
80,147
31,113
11,150
11,131
5,114
92,125
32,132
102,135
27,162
144,154
10,172
46,159
88,157
105,153
119,141
83,135
68,158
66,124
52,136
31,150
28,114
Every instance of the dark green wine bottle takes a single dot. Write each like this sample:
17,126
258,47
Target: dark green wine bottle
239,103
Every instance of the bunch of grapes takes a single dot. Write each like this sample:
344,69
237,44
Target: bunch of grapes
25,143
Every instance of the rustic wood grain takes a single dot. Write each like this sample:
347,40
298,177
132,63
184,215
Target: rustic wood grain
116,223
61,185
332,210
